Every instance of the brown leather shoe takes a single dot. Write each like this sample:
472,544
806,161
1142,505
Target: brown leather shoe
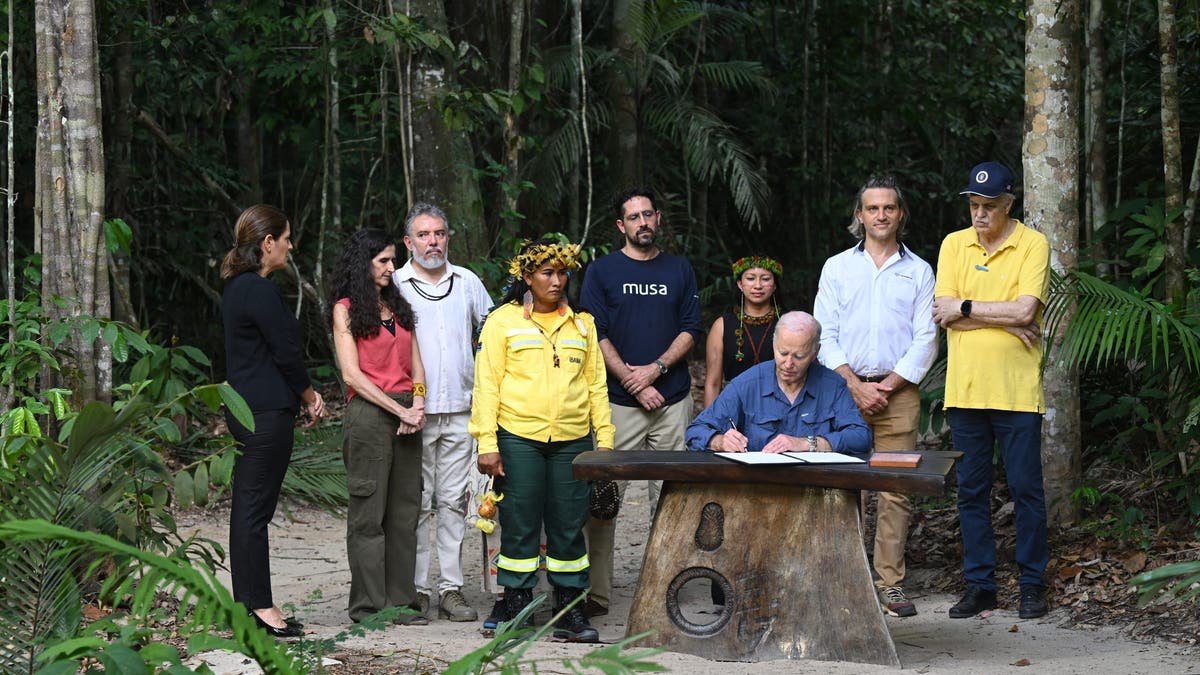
592,608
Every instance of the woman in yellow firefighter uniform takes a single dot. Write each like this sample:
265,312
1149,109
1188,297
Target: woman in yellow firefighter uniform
540,391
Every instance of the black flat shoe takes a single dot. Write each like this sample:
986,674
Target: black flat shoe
290,630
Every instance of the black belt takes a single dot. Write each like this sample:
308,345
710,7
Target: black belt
874,378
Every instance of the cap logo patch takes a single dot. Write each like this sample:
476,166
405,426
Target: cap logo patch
981,177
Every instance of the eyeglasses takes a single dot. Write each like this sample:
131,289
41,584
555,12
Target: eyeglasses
633,217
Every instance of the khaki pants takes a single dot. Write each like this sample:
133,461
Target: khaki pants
383,474
894,430
637,429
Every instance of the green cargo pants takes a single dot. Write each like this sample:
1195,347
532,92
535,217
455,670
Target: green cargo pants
383,474
539,490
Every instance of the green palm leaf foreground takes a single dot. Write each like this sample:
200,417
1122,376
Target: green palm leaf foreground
205,602
76,485
1099,322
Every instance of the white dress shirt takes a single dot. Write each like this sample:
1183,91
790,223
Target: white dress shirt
877,319
445,329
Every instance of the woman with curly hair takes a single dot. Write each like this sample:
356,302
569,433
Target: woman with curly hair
265,365
385,411
540,392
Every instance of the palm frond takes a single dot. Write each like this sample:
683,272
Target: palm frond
737,76
1181,580
1095,322
75,486
317,472
146,574
712,151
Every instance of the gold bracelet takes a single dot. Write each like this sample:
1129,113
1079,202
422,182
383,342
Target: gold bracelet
418,388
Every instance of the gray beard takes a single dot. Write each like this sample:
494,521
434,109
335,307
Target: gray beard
430,264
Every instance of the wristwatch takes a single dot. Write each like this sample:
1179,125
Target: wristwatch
662,367
965,308
812,443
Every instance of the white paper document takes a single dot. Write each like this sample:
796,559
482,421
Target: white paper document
791,458
760,457
825,458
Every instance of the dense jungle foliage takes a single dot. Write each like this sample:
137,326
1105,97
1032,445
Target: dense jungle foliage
756,121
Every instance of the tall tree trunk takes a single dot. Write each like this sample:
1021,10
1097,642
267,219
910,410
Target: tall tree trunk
442,160
1097,137
574,228
1189,211
512,134
69,184
1176,259
625,154
1051,152
119,131
10,202
249,150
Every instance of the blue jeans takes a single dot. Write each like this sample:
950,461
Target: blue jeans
975,434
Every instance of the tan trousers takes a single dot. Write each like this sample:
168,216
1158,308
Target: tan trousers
637,429
893,430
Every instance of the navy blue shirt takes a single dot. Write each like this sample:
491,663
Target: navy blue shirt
756,405
641,306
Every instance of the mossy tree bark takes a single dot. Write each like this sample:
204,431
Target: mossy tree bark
1051,167
69,186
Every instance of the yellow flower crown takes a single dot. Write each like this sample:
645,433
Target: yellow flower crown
565,256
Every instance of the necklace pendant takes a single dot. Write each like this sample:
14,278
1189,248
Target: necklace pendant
739,356
556,359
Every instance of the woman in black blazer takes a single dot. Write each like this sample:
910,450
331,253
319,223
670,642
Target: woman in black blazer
265,365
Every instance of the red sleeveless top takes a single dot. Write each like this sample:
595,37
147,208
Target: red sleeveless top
385,359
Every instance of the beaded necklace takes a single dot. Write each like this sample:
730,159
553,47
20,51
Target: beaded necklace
429,296
741,331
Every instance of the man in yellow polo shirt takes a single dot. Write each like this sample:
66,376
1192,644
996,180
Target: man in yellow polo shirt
992,283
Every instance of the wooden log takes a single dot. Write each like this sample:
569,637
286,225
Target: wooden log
791,561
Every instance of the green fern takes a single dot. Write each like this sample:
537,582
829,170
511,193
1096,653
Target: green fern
146,574
1098,322
77,486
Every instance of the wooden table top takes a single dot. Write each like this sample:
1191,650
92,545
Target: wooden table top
930,478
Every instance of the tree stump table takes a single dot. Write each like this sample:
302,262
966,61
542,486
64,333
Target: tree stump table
784,543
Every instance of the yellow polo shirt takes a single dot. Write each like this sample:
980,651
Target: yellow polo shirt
518,387
991,368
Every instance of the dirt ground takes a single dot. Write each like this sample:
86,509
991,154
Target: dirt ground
310,573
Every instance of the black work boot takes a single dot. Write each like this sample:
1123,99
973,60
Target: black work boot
573,626
518,599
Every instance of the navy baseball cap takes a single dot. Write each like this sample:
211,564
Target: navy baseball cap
990,179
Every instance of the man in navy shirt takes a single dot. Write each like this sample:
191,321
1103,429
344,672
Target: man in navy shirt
792,404
647,314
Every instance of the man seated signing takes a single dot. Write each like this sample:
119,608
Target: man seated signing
793,404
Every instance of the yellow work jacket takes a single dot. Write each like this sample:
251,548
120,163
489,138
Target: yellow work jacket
518,387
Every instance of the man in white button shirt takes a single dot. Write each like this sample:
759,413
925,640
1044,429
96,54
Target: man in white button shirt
449,302
874,303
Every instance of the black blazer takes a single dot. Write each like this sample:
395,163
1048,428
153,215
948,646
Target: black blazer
263,355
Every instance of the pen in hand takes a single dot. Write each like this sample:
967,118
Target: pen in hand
729,447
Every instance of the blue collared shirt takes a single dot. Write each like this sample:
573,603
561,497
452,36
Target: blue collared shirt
754,403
